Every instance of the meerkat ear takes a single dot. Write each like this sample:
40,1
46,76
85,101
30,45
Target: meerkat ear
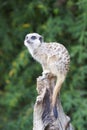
41,39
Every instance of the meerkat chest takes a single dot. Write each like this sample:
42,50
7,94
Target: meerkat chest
40,55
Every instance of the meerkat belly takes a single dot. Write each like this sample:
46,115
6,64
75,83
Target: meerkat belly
42,59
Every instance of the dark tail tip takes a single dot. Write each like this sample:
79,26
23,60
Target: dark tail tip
55,112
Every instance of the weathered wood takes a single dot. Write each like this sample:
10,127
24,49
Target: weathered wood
43,112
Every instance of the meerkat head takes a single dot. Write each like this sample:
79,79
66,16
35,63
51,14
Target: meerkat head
33,40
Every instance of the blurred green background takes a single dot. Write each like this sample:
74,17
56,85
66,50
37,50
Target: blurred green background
64,21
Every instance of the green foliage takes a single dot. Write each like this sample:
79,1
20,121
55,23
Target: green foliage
61,21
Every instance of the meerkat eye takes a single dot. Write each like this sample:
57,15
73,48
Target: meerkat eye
33,37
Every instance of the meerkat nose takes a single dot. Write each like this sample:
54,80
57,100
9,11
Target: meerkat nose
28,41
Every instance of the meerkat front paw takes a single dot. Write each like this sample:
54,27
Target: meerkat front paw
39,99
45,73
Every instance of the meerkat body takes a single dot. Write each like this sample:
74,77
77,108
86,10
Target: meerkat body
53,57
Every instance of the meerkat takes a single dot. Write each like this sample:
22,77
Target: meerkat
53,57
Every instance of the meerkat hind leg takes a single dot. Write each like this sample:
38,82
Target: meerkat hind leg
56,90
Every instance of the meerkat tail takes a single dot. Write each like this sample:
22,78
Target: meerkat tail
60,80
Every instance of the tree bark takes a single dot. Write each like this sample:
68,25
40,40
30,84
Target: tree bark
43,116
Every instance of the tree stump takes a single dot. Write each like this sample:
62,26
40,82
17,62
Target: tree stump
43,116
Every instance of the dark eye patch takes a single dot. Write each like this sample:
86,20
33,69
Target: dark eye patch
33,37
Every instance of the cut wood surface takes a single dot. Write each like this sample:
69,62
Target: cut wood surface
43,116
